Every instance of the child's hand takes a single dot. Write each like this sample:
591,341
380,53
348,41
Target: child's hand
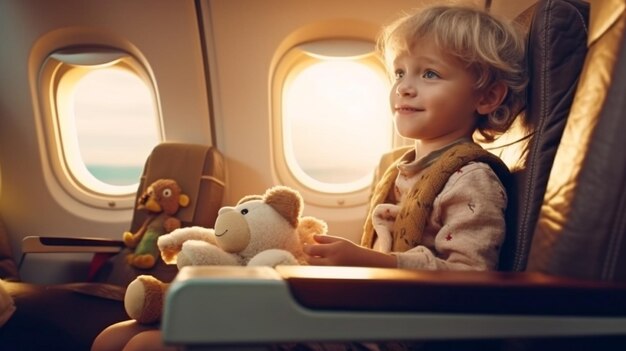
336,251
330,251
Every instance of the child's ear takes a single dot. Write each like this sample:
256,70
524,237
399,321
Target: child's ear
491,98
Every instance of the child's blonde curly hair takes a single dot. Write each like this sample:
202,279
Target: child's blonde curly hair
492,49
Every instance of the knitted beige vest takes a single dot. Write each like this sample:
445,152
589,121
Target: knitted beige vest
418,203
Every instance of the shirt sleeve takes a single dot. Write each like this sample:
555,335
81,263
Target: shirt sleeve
469,221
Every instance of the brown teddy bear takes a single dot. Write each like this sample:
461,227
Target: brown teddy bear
266,230
162,199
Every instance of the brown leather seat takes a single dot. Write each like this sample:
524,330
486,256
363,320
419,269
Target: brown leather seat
200,172
580,231
556,51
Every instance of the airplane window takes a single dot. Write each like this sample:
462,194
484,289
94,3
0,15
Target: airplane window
106,115
113,119
334,114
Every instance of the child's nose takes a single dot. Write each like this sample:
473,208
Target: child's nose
405,89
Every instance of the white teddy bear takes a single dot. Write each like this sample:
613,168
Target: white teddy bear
266,230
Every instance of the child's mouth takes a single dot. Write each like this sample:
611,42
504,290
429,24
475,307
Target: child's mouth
407,109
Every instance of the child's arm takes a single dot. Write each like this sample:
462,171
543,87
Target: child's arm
336,251
471,211
469,217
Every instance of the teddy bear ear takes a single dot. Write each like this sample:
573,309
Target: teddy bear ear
286,201
183,200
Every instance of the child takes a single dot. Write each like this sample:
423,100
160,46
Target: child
440,205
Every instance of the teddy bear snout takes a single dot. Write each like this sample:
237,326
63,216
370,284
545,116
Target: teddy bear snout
231,231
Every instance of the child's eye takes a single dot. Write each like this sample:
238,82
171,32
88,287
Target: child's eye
430,75
399,73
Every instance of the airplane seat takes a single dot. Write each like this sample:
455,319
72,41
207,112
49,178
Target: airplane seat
580,229
555,54
69,316
200,172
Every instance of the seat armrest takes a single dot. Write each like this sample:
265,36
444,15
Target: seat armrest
512,293
295,303
43,244
101,248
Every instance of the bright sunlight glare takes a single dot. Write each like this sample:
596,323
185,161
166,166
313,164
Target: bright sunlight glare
337,121
116,124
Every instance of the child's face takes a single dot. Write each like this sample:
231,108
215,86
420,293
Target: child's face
433,98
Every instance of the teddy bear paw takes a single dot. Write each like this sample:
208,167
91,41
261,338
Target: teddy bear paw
145,261
129,240
143,300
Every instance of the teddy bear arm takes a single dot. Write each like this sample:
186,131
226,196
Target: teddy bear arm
201,253
273,258
171,223
131,239
171,244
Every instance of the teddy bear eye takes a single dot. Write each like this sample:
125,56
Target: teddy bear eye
167,192
244,211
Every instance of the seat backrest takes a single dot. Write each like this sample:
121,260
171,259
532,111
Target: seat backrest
556,49
200,172
581,227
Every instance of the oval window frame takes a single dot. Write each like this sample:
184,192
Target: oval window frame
55,67
294,58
